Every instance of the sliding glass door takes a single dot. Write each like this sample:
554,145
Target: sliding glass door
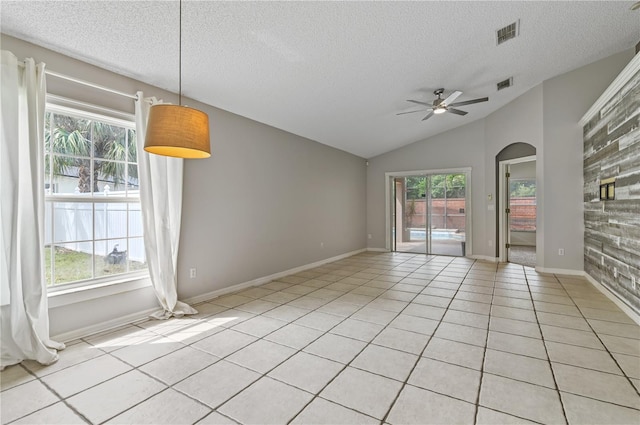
429,214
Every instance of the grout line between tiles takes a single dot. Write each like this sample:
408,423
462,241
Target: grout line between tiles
553,374
484,356
60,399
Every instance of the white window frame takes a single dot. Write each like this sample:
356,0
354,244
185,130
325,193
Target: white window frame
95,287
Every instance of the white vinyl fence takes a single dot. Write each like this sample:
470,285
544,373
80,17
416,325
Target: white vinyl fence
74,226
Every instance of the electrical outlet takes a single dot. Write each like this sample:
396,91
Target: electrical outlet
633,282
615,273
192,273
561,251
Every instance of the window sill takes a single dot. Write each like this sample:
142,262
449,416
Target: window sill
115,286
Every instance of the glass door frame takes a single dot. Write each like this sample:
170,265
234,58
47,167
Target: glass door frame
504,235
396,220
390,201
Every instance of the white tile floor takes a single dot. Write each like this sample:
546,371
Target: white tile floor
374,338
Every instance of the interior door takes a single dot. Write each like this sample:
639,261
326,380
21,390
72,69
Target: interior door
507,212
521,216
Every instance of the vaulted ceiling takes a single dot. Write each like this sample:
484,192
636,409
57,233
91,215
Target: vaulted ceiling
334,72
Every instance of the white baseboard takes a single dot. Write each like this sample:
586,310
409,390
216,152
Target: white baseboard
267,279
104,326
565,272
377,250
626,308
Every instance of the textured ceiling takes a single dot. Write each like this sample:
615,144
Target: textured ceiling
335,72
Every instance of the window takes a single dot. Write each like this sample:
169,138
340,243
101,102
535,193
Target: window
93,219
522,203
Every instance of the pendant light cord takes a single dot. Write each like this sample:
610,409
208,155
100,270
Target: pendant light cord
180,57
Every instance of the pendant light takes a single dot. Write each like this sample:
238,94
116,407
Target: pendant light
176,130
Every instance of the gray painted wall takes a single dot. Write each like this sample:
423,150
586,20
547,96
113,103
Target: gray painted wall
547,118
263,203
566,99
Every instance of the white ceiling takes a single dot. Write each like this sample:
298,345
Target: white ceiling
335,72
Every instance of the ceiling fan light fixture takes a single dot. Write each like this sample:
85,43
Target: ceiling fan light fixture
440,106
439,110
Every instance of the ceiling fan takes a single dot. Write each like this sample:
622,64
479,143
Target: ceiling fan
441,105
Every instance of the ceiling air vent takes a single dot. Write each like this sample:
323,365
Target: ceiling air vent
505,83
508,32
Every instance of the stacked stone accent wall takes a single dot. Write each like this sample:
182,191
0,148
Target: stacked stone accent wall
612,227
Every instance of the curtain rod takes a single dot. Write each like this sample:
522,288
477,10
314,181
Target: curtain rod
87,83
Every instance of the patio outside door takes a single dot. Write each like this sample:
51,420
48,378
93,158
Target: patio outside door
429,214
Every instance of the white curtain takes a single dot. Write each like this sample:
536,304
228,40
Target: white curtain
23,312
161,199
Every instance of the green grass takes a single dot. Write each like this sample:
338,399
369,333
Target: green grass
71,266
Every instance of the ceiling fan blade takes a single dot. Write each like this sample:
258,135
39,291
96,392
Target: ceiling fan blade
453,96
456,111
429,115
412,112
420,103
469,102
